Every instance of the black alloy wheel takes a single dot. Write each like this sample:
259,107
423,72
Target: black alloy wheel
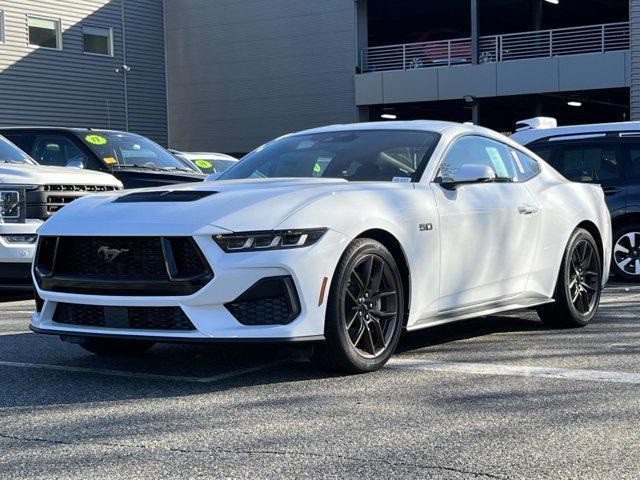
579,286
365,310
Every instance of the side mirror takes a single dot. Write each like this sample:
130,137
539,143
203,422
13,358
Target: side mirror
467,174
75,164
213,177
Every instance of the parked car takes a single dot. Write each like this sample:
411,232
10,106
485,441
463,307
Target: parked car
29,195
208,162
342,236
605,154
135,160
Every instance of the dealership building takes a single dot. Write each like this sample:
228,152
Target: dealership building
228,75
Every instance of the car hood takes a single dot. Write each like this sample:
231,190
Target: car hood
232,205
25,174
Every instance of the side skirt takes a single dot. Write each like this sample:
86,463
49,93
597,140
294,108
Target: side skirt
479,311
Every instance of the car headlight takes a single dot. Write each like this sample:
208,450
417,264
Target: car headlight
270,240
12,206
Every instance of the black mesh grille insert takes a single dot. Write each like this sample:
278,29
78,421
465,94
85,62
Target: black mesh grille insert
271,301
137,318
138,257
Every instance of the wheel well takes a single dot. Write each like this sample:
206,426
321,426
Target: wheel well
628,219
393,245
593,230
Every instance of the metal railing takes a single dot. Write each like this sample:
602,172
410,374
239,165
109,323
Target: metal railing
498,48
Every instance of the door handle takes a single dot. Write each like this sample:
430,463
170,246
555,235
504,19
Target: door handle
527,210
611,190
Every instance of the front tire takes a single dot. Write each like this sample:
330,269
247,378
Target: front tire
115,347
626,253
579,285
365,310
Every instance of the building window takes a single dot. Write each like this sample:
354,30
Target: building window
44,32
1,26
97,40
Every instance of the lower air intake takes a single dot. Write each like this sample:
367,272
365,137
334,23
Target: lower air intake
270,301
136,318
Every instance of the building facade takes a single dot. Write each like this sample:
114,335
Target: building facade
85,63
241,73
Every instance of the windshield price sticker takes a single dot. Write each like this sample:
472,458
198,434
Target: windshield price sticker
203,163
95,139
401,179
109,160
497,161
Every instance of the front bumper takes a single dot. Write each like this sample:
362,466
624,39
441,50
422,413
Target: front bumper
15,258
234,274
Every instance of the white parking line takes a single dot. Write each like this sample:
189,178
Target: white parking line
146,376
15,332
515,370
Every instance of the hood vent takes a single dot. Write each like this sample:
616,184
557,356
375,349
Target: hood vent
164,196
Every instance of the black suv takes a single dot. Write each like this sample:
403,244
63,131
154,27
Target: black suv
135,160
610,158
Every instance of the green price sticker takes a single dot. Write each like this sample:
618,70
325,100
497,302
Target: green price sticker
317,168
95,139
203,163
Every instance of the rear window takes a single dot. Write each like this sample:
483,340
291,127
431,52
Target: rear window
589,163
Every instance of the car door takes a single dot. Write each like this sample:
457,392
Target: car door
488,231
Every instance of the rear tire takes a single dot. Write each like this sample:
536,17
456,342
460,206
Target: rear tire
579,285
365,310
116,347
625,261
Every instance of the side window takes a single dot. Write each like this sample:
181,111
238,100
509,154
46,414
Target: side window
474,150
544,152
527,167
589,163
58,151
633,172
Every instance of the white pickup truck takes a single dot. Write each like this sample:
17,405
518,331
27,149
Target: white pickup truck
29,195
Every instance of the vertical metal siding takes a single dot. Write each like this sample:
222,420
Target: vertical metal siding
241,73
634,27
67,87
146,82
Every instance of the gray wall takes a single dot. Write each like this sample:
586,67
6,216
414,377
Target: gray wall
518,77
69,88
243,72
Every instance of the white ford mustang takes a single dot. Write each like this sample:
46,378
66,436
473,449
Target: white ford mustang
343,236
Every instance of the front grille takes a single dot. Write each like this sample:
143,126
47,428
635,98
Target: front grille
136,318
139,257
46,200
271,301
151,266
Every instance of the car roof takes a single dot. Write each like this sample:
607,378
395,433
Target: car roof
425,125
207,155
533,135
65,129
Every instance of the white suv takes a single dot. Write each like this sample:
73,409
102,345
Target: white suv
29,195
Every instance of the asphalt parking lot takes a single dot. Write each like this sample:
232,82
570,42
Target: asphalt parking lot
500,397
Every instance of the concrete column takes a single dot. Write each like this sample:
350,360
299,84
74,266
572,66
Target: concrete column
362,29
475,31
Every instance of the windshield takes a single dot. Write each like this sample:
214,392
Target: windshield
212,165
128,150
9,153
356,155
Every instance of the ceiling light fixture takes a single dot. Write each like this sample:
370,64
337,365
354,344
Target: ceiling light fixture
574,103
388,116
554,2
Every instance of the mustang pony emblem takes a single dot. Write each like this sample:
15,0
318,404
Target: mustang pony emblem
110,254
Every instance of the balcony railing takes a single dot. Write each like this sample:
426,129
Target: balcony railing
498,48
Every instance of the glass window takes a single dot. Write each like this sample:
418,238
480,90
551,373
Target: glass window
128,150
355,155
589,163
44,32
58,151
1,26
634,162
9,153
542,151
526,166
97,40
474,150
